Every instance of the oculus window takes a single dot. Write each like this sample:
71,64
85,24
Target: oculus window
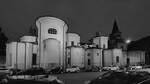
52,31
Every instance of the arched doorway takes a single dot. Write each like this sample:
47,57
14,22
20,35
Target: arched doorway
117,59
128,61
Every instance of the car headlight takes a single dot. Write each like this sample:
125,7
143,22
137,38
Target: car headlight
87,82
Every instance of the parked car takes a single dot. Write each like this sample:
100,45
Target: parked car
4,69
135,67
4,72
3,78
51,80
73,69
96,68
34,71
56,70
38,79
145,69
88,69
146,66
110,68
14,71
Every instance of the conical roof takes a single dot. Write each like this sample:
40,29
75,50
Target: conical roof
115,28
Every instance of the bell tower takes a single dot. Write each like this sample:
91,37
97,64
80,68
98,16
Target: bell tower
115,38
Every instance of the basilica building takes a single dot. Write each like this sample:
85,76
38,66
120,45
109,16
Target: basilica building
54,46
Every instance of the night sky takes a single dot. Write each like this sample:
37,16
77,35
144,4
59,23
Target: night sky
84,17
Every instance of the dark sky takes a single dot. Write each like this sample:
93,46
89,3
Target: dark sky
85,17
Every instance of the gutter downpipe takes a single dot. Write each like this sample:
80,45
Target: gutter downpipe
40,46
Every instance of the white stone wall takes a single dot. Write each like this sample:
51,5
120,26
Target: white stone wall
135,57
119,53
10,53
101,41
29,54
73,37
88,56
19,55
110,57
76,55
95,57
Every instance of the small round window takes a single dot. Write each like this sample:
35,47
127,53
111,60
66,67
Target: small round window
52,31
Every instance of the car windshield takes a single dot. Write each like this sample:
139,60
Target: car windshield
74,66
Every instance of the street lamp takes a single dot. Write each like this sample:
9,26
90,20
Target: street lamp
128,41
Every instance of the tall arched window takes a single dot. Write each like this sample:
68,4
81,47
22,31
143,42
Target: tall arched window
117,59
128,61
89,62
72,43
34,57
52,31
104,46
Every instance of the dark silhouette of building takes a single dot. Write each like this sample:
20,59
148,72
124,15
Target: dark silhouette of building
115,38
142,44
3,41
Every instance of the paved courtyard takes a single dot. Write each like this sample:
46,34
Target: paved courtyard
67,78
77,78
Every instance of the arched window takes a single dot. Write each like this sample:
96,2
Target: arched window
96,46
89,62
97,54
117,59
104,46
72,43
88,54
122,47
128,61
34,57
52,31
69,61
